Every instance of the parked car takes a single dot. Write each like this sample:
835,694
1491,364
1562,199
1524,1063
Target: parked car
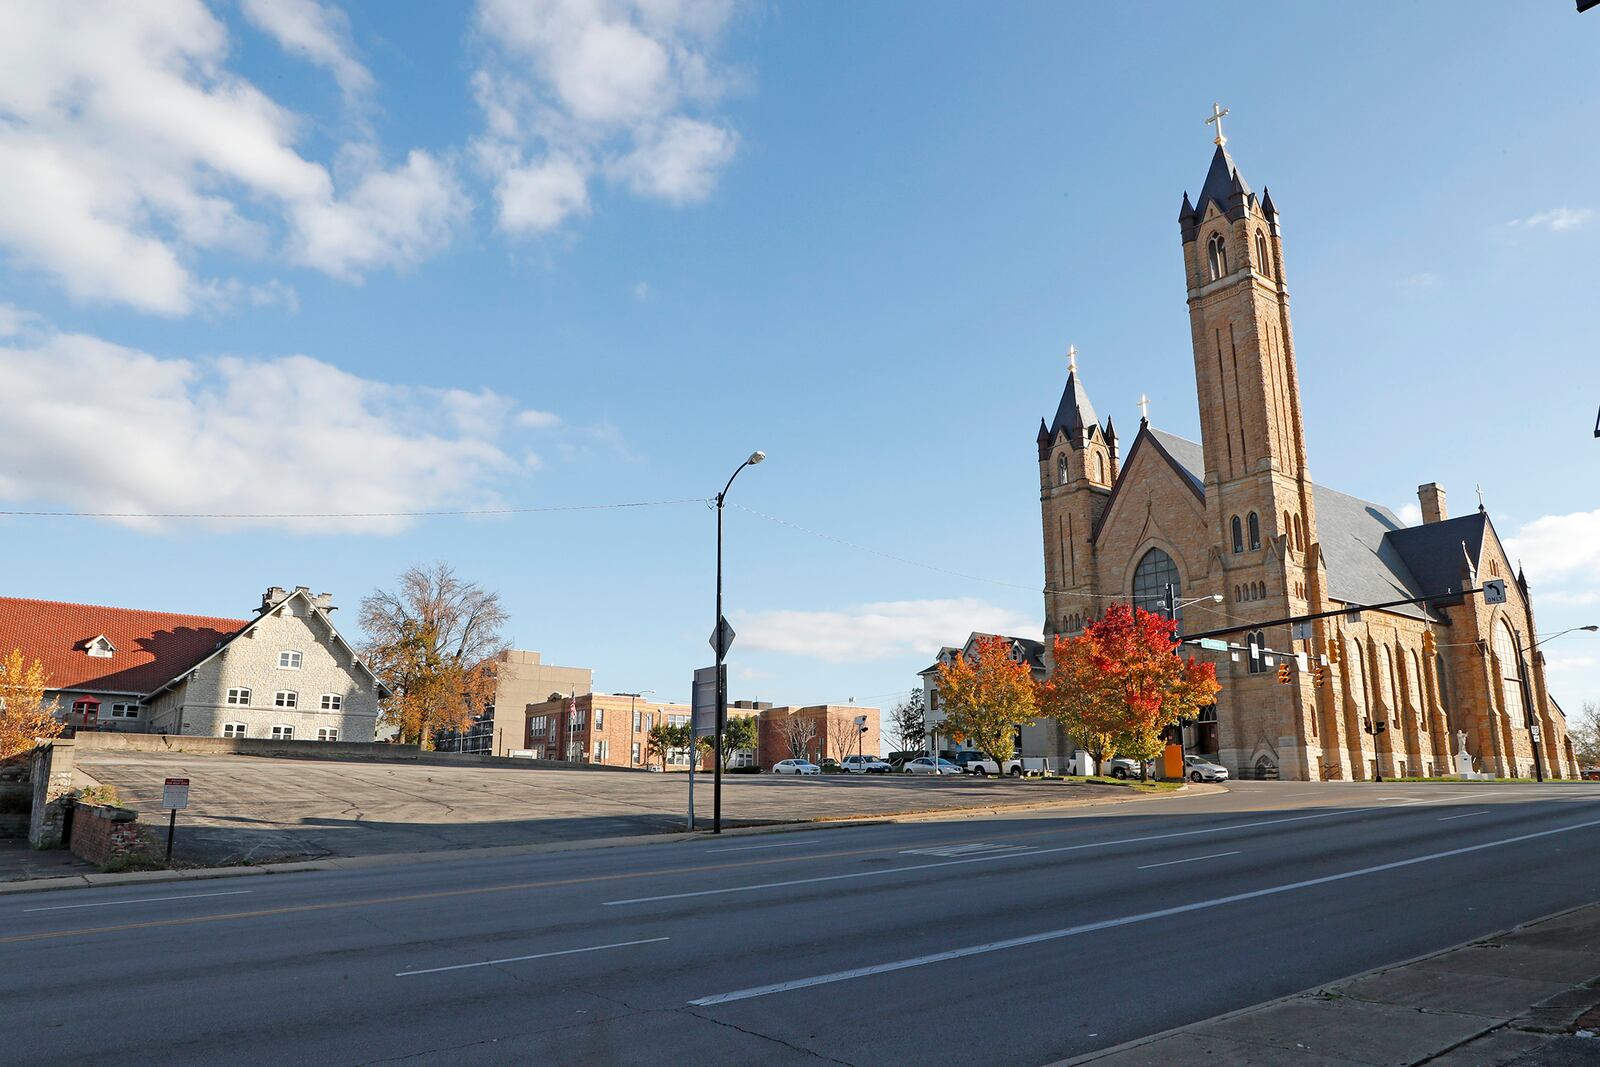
925,765
1121,767
1590,775
983,766
830,765
864,765
1200,770
795,766
964,759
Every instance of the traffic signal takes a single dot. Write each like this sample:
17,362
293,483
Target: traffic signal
1430,644
1283,674
1366,724
1319,676
1333,652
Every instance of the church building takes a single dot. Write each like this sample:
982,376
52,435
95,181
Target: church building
1236,526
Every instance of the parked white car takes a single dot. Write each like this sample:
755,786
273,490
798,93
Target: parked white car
795,766
983,767
1200,770
864,765
924,765
1121,767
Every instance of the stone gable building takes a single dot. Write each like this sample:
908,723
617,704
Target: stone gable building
285,674
1238,516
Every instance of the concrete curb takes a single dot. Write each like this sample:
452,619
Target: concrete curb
1150,1039
402,859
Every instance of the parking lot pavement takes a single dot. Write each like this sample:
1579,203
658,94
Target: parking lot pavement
254,809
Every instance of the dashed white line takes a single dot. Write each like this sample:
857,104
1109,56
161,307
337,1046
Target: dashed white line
1192,859
535,956
139,900
1467,815
1108,924
752,848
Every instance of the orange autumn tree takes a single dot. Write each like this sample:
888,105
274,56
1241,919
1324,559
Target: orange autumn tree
25,714
986,699
1119,686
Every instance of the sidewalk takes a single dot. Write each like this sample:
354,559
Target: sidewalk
1529,997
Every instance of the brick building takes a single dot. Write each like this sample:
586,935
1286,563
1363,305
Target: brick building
816,731
1237,515
600,728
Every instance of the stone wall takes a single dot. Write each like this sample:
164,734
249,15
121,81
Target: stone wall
52,768
102,833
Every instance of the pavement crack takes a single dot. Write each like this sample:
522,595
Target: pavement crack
767,1037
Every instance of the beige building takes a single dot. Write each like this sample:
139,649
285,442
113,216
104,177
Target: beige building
285,674
523,680
1238,516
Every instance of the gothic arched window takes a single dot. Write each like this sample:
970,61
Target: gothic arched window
1255,532
1256,642
1217,256
1438,677
1299,534
1150,579
1061,468
1238,535
1420,685
1261,253
1505,648
1099,468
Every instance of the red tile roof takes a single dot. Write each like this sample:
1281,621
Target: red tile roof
152,647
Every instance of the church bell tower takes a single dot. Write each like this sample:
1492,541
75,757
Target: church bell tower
1249,393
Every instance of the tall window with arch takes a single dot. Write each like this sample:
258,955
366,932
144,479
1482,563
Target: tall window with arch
1061,469
1420,681
1254,643
1099,468
1217,256
1299,534
1360,695
1238,535
1150,579
1255,532
1506,651
1262,262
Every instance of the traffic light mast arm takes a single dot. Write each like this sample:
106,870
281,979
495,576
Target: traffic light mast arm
1331,614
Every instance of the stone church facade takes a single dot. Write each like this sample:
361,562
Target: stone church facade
1238,516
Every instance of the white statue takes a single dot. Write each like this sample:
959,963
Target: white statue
1461,741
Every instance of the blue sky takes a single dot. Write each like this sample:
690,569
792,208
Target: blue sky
297,257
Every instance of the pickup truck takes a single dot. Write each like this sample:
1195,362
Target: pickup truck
1016,767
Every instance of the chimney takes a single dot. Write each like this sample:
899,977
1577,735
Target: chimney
1432,497
324,601
274,596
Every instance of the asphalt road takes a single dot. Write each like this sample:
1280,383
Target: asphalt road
1018,938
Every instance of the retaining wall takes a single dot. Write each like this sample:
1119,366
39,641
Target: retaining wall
328,750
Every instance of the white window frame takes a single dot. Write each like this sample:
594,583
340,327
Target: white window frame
235,729
126,711
332,702
599,718
282,732
290,660
636,752
239,696
327,733
602,749
292,702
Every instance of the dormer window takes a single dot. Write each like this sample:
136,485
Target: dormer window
289,661
101,648
1217,256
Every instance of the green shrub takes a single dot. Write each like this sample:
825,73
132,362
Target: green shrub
100,794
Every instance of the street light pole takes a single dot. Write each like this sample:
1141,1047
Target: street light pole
722,652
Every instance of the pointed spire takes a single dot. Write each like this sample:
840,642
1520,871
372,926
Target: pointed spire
1074,415
1266,203
1186,213
1111,433
1222,179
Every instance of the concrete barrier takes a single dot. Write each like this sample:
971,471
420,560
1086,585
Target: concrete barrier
89,743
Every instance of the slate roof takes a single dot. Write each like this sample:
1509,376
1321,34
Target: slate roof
1074,414
1372,556
152,647
1219,183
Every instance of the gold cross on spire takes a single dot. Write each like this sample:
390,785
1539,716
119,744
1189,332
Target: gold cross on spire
1217,111
1072,359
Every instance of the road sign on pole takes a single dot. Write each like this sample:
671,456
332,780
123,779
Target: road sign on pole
1212,644
704,701
174,796
722,638
1494,591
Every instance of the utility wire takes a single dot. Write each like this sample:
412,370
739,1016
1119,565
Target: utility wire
341,514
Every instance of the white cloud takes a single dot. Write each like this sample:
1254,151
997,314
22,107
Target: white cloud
641,290
1410,514
1556,220
572,90
538,420
129,147
14,320
289,434
879,630
318,34
1561,549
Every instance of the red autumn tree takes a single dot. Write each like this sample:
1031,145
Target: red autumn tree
1120,685
987,698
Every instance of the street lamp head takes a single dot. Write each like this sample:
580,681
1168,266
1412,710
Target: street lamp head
1591,629
1216,598
756,457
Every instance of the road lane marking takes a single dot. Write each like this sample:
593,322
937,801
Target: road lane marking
968,849
1468,815
592,879
752,848
1109,924
535,956
1192,859
140,900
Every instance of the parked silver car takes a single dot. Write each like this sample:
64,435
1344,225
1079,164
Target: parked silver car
795,766
864,765
1200,770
